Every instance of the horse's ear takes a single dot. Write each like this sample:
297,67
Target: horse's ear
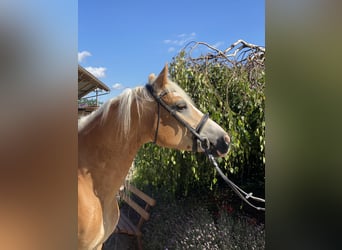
162,79
151,78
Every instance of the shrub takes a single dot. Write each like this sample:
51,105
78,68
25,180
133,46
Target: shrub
231,90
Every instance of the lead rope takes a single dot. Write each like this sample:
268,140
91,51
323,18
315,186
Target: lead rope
242,194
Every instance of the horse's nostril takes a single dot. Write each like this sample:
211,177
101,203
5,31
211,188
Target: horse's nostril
227,139
222,145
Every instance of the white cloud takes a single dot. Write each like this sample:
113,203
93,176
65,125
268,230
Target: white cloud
97,71
117,86
179,41
171,49
82,55
218,44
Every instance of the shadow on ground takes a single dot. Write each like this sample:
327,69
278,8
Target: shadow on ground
120,242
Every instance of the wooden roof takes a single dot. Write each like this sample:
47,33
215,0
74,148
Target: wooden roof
88,82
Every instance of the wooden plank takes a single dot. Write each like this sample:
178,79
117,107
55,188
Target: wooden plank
136,207
125,225
141,195
126,228
121,226
130,228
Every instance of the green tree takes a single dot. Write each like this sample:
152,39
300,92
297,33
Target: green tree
88,102
229,85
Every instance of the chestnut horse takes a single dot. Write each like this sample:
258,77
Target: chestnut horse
109,138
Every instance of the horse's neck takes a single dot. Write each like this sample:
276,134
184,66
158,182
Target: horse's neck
105,155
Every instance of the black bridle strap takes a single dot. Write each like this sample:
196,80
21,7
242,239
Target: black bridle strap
202,122
158,118
157,129
195,132
198,131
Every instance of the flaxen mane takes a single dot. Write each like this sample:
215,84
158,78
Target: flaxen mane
125,101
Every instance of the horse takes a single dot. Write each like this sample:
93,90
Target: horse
109,138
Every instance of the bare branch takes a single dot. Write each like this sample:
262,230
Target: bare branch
240,54
237,53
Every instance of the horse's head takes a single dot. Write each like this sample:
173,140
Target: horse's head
179,124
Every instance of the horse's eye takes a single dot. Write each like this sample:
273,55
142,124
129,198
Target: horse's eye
181,106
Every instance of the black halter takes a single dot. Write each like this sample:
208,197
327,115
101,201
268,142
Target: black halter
195,131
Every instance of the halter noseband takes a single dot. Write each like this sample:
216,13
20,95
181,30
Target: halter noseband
195,131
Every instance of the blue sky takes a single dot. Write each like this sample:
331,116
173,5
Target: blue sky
122,42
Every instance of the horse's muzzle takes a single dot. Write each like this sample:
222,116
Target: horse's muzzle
221,147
